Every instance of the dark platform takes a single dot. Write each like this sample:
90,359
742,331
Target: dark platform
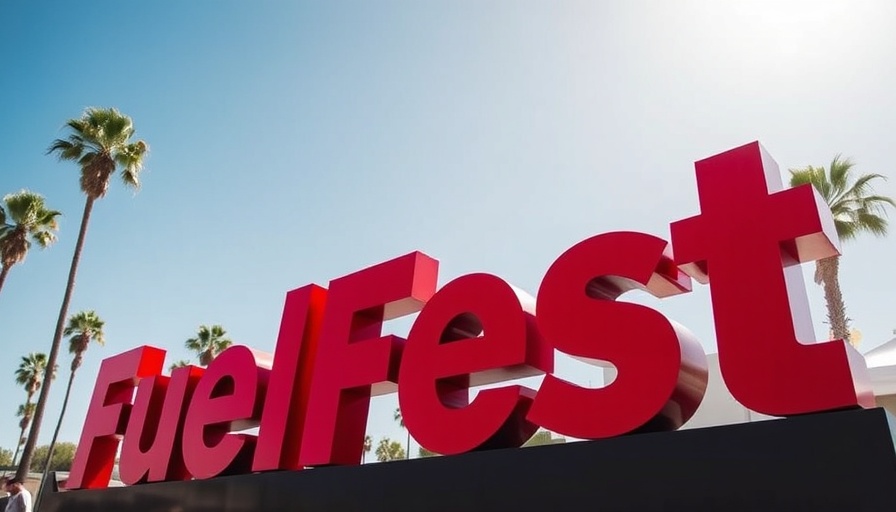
832,461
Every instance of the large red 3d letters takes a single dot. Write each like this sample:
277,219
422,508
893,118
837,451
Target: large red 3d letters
310,400
752,236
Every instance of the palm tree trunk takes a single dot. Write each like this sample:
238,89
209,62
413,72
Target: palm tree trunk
205,358
828,269
3,274
68,392
28,451
19,444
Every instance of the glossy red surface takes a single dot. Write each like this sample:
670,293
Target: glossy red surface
312,400
750,236
152,447
228,398
286,404
107,414
661,368
476,330
353,356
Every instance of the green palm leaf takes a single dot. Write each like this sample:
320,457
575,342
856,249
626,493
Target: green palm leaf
24,219
100,141
83,327
208,343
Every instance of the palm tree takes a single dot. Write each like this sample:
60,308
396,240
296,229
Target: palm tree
388,449
208,343
400,419
25,219
25,411
178,364
100,142
29,374
856,210
83,327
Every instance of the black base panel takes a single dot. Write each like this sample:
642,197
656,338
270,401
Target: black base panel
838,461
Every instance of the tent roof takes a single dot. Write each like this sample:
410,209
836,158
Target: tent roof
883,355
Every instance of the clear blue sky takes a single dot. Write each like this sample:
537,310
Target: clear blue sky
295,142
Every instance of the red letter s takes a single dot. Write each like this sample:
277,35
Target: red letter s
661,367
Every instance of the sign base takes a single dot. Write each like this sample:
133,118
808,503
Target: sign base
827,461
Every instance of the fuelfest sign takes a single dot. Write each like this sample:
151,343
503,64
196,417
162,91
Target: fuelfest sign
310,399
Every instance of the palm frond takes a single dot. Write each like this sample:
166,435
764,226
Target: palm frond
871,223
880,200
48,218
23,206
839,172
44,238
79,126
28,214
87,325
194,344
862,185
130,158
65,150
31,368
811,176
103,133
25,410
853,204
209,341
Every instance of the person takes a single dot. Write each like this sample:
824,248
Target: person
19,497
5,498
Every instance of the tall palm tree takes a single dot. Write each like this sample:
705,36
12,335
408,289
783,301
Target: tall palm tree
83,327
208,343
25,411
400,419
29,374
856,210
24,219
99,142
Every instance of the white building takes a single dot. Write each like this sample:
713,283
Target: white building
720,408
